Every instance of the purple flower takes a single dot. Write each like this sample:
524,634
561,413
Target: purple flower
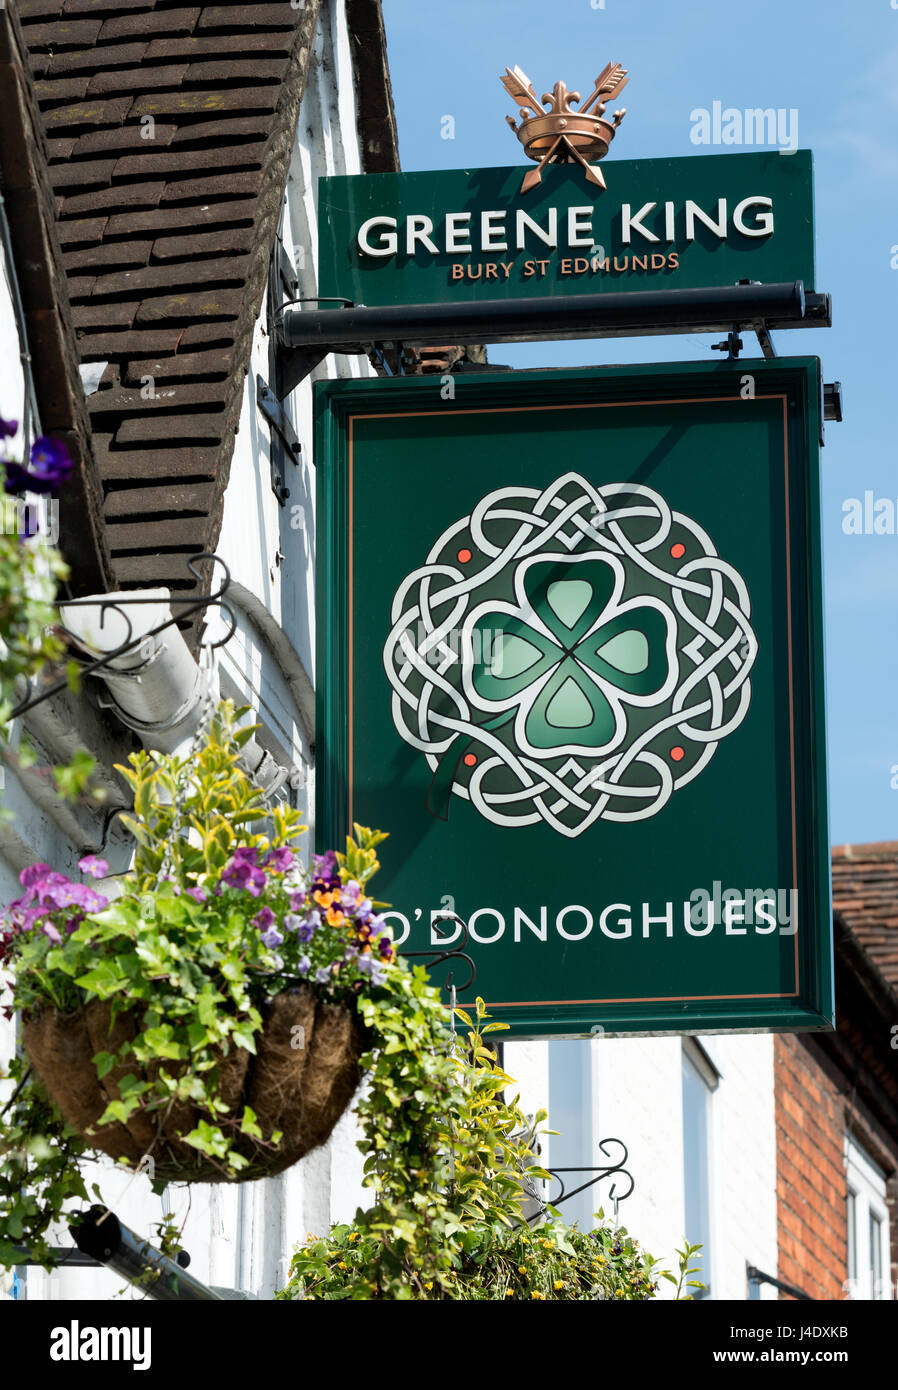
50,931
90,864
297,901
303,965
242,872
272,937
34,872
323,974
369,966
309,927
280,860
8,428
264,919
50,460
325,864
351,894
291,921
197,893
385,945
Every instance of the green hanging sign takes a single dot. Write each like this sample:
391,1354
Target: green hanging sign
467,234
570,657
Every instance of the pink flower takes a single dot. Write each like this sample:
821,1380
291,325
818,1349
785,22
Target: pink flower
90,864
28,877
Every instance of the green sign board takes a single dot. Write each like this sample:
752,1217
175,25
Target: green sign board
463,234
570,657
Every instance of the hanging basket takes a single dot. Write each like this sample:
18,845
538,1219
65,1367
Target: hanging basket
300,1090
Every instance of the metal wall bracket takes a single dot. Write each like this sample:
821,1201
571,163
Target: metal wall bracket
757,1277
288,446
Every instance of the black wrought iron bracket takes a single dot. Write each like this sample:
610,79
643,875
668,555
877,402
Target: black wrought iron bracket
186,606
601,1173
438,957
757,1276
307,336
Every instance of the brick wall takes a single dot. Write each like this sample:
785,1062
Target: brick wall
810,1170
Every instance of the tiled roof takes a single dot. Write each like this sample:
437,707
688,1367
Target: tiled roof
170,129
865,897
29,204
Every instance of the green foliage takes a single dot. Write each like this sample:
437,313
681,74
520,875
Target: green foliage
29,573
681,1278
550,1262
39,1168
209,927
446,1153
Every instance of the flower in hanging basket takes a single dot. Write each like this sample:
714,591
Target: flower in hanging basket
207,1017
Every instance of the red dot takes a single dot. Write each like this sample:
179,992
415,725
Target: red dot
678,753
464,556
470,759
677,550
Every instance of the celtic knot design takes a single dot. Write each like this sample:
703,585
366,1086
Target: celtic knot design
569,655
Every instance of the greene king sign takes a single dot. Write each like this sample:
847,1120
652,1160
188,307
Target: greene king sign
571,660
472,234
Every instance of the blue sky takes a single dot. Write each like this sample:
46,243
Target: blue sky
837,65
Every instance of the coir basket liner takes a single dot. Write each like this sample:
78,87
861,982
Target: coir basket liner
299,1090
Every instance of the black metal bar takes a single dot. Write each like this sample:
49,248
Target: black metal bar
757,1276
589,315
437,957
832,401
99,1233
606,1172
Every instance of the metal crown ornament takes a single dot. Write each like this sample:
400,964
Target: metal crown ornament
560,135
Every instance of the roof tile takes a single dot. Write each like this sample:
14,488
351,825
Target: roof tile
170,219
212,303
251,16
137,25
137,79
149,162
168,238
137,195
63,33
865,896
89,113
93,60
115,255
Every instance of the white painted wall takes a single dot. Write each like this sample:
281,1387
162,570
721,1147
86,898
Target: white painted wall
635,1094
